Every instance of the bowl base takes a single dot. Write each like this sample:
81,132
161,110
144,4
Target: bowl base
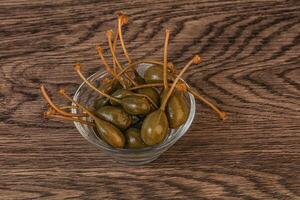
136,162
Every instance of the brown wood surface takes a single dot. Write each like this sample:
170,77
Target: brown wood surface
250,68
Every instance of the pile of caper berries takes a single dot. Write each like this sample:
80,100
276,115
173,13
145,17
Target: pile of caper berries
132,111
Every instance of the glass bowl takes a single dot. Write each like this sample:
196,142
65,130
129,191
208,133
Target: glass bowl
86,97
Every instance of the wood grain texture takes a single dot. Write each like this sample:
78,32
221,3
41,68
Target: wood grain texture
251,68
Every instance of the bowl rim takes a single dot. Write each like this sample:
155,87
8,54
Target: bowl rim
176,135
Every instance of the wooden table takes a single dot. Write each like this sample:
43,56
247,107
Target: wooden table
250,68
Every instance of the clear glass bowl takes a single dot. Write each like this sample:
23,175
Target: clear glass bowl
86,96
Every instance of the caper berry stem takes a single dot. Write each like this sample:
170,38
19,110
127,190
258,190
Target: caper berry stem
46,115
113,53
123,19
132,65
195,60
64,94
131,80
78,70
147,86
50,102
114,48
148,98
107,67
68,107
166,58
73,107
179,86
109,38
221,114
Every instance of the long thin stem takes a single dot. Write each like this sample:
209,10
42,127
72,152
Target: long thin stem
132,65
125,69
166,58
146,86
64,94
148,98
50,102
114,48
131,80
74,107
221,114
123,19
150,61
78,70
107,67
196,60
179,86
113,53
109,38
69,119
68,107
